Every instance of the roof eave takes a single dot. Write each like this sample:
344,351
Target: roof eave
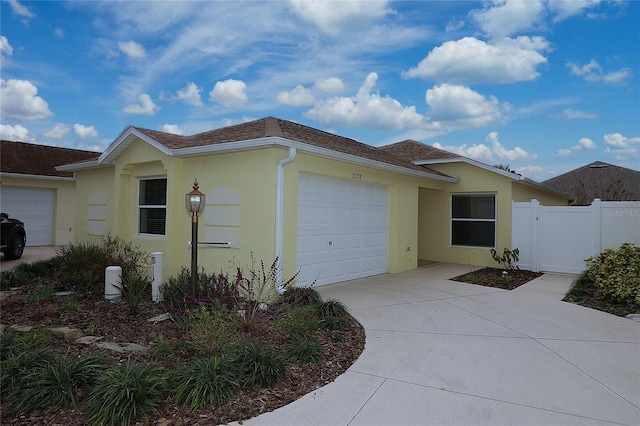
29,176
124,140
73,167
309,149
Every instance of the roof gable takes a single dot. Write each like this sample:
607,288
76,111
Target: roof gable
39,160
598,180
414,150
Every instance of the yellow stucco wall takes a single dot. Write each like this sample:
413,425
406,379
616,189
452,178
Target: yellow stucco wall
63,208
525,193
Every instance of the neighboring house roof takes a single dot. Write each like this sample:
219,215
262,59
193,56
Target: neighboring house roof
423,154
599,180
28,159
265,132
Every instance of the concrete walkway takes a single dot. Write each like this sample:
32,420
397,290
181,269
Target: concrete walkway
31,254
440,352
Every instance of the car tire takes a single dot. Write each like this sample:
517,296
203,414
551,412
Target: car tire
15,248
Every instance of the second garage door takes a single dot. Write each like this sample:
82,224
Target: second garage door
33,206
343,229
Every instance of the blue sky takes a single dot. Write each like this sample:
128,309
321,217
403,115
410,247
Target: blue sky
543,86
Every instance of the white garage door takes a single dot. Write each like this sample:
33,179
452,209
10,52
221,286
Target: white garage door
33,206
343,229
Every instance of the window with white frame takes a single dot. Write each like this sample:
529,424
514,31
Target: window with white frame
473,220
152,206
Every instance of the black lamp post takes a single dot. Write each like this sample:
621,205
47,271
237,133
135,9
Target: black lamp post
195,201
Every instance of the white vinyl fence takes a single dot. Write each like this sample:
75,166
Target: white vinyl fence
559,239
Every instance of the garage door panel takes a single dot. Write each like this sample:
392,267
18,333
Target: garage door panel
33,206
349,223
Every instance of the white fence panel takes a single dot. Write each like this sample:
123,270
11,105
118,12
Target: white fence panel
559,239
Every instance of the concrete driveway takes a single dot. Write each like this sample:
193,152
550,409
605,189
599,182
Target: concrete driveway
31,254
443,352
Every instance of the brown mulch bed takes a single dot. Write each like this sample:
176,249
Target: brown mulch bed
494,277
114,322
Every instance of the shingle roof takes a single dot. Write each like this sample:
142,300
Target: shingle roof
598,180
414,150
275,127
31,159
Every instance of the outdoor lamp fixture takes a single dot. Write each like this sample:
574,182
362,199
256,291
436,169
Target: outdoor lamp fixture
195,201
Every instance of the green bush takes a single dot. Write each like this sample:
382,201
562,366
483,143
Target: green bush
18,364
210,331
82,265
56,383
205,381
259,365
616,273
124,394
582,288
298,322
305,349
301,296
332,308
133,288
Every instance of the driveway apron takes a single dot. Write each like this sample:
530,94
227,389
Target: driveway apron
440,352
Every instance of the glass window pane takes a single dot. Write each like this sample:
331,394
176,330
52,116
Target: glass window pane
153,192
469,206
476,234
152,221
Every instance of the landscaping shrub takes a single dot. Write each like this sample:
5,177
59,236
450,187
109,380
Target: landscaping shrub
509,258
301,296
616,273
126,393
17,365
55,383
583,287
205,381
332,308
259,365
210,330
82,265
133,288
14,278
305,349
298,322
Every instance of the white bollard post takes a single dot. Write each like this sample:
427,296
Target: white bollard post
156,276
112,283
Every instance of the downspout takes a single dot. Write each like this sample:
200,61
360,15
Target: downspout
280,215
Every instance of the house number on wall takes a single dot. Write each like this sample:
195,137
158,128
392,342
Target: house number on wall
356,176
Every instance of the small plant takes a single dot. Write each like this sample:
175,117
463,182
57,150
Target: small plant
305,350
210,331
583,287
17,365
126,393
298,322
91,330
42,293
133,288
14,278
332,308
259,365
333,323
163,348
509,258
301,296
205,381
70,305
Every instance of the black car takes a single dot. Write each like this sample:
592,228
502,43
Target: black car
13,237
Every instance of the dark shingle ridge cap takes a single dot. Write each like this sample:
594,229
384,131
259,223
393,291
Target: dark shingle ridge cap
414,151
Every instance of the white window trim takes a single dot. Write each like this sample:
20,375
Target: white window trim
149,206
494,220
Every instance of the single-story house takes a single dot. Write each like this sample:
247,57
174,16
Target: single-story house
327,206
598,180
32,190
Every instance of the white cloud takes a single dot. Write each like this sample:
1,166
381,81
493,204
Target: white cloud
572,114
583,143
230,93
20,101
58,33
172,128
529,170
459,106
454,25
15,133
593,72
493,153
145,107
132,49
19,9
501,18
365,109
472,61
59,131
330,85
5,47
566,9
332,17
298,96
190,94
85,132
622,147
